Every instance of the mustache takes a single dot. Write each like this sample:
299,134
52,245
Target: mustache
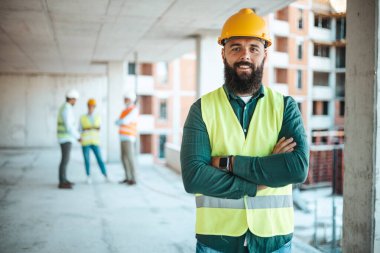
244,63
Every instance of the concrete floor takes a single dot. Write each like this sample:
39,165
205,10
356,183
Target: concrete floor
156,215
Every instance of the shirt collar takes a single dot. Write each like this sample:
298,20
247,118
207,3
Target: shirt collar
231,95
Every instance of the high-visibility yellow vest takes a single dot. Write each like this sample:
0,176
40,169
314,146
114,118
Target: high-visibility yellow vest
90,132
62,132
270,212
128,130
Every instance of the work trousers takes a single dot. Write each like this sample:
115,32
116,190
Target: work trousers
98,156
128,159
65,157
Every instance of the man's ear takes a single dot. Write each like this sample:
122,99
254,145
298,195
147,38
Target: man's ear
223,54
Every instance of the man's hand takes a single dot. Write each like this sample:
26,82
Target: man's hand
215,161
283,146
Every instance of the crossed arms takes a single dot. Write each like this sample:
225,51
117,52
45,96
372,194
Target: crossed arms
287,164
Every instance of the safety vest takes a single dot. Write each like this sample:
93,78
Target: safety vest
90,132
270,212
128,130
62,132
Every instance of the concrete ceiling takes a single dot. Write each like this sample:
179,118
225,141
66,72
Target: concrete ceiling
80,36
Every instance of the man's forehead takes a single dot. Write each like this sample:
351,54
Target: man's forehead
244,40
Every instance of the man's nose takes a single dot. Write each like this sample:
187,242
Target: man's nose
245,55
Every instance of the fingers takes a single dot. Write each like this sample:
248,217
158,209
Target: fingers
261,187
284,146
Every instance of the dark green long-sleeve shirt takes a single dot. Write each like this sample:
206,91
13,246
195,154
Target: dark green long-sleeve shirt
273,170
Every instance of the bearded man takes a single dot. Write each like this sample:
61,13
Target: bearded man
243,147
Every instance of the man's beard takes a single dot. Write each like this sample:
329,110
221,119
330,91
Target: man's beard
245,83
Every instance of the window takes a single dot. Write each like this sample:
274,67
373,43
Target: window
163,109
281,44
161,146
299,51
147,69
282,14
320,108
145,143
299,79
321,78
300,19
341,28
281,75
131,68
341,108
325,108
339,87
340,57
146,104
315,107
321,50
322,22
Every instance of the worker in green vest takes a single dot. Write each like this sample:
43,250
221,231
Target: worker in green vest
90,139
67,134
243,147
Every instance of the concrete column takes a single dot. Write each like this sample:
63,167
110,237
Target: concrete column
209,64
116,81
361,228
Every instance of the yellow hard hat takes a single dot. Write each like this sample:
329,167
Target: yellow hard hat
91,101
245,23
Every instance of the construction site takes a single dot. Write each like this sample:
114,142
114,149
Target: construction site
157,59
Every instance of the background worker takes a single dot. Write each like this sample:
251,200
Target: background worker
127,123
90,128
243,146
67,133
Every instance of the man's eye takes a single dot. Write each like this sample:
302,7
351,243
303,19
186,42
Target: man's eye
235,49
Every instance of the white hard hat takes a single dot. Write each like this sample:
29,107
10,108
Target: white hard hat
131,95
72,94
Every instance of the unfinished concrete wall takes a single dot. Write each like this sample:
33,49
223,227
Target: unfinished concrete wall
29,106
361,179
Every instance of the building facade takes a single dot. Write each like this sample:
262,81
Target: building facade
165,93
307,62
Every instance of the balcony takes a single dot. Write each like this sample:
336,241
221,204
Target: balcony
145,124
145,84
321,122
322,93
280,27
321,63
280,59
321,34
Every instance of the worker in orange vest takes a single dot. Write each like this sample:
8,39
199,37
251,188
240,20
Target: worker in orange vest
127,123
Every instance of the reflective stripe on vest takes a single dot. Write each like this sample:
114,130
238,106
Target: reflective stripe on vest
259,202
130,129
89,135
270,212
